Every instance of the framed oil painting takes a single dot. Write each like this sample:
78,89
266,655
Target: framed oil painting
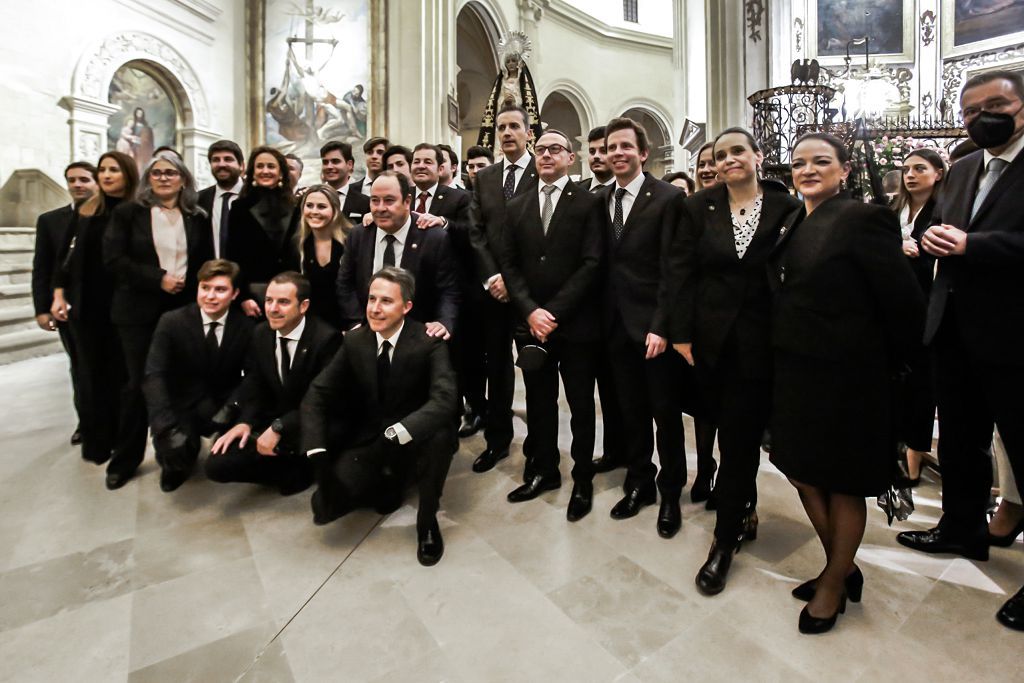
970,26
888,23
148,117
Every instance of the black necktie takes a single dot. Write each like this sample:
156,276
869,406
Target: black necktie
383,367
422,206
510,182
286,360
389,250
211,340
225,208
617,222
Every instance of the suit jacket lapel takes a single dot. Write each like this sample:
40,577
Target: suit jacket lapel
198,333
411,251
642,199
366,263
773,208
564,202
1009,176
964,199
529,178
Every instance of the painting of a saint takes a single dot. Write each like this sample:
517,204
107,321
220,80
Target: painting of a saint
978,20
840,21
147,117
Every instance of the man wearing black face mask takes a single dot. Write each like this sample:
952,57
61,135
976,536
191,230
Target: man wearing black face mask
976,321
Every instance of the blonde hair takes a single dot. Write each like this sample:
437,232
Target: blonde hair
339,225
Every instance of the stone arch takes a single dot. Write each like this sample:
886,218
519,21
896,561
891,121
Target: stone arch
584,106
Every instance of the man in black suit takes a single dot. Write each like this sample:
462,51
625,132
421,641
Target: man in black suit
194,366
287,352
392,240
976,320
336,170
389,395
493,188
51,235
552,259
373,157
226,165
477,159
640,216
597,160
448,172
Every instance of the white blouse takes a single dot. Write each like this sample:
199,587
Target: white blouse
907,221
744,227
169,239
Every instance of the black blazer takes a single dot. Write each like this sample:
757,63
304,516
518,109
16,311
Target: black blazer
638,264
716,293
129,253
558,271
261,237
453,204
988,280
421,392
487,215
323,300
357,186
206,197
180,373
843,288
262,396
52,233
88,285
356,204
427,255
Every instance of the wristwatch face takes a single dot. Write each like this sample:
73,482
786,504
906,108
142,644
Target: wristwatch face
390,433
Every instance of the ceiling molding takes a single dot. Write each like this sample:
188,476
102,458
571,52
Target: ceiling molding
575,18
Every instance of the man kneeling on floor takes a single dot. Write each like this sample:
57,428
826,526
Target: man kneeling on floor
287,352
384,412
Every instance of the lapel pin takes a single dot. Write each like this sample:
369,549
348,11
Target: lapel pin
648,194
569,194
440,197
415,245
711,207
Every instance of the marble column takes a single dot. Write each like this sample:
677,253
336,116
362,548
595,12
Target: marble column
726,77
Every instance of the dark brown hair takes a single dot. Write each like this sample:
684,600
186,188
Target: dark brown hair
284,190
625,123
219,268
97,204
290,277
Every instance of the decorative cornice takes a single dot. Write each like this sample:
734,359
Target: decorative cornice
589,25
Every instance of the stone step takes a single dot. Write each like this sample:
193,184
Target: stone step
18,238
13,318
15,273
17,294
24,344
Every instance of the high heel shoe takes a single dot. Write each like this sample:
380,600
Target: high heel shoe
750,526
854,587
1007,540
813,625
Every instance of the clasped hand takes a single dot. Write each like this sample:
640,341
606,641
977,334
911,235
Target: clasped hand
944,240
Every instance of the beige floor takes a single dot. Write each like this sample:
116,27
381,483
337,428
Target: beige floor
225,583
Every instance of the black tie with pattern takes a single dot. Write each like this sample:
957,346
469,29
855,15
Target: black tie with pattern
617,222
510,182
389,250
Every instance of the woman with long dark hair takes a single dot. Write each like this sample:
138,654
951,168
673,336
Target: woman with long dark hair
847,313
263,225
322,231
706,170
154,248
83,290
923,171
722,326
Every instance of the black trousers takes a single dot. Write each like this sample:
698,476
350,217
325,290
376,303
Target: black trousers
468,354
974,396
133,425
101,375
247,465
375,474
919,402
501,375
576,362
649,390
64,330
740,405
614,440
194,424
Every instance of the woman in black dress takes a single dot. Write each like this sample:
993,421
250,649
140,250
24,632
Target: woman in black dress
722,326
83,290
322,232
154,248
263,224
847,313
914,204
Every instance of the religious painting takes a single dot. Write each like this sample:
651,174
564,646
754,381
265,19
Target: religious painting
148,116
887,23
313,73
975,25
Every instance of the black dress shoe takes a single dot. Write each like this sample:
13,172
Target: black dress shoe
429,544
76,437
97,456
711,577
1007,540
854,587
116,480
171,480
533,488
581,501
813,625
702,485
669,517
607,463
632,502
470,425
324,510
1011,614
488,459
938,541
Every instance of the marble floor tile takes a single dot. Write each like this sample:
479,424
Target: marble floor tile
178,550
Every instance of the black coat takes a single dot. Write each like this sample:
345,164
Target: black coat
52,233
453,204
989,278
182,376
716,293
356,204
323,281
421,392
638,264
87,283
427,255
261,237
487,215
129,253
924,264
559,271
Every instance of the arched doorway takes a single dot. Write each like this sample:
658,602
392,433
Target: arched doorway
476,38
660,157
558,112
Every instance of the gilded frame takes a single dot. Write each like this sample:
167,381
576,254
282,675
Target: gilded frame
950,49
905,55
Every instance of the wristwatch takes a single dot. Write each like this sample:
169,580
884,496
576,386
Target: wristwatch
391,434
277,426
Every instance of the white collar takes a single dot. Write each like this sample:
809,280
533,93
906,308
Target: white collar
560,184
520,162
207,319
399,234
1008,155
393,338
235,189
343,190
432,190
633,188
296,334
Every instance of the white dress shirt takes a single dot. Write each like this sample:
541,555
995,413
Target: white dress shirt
168,228
218,202
559,186
431,191
401,433
521,163
381,244
293,338
219,332
365,187
632,190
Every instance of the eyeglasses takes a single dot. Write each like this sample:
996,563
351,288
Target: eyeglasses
164,173
998,105
553,150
